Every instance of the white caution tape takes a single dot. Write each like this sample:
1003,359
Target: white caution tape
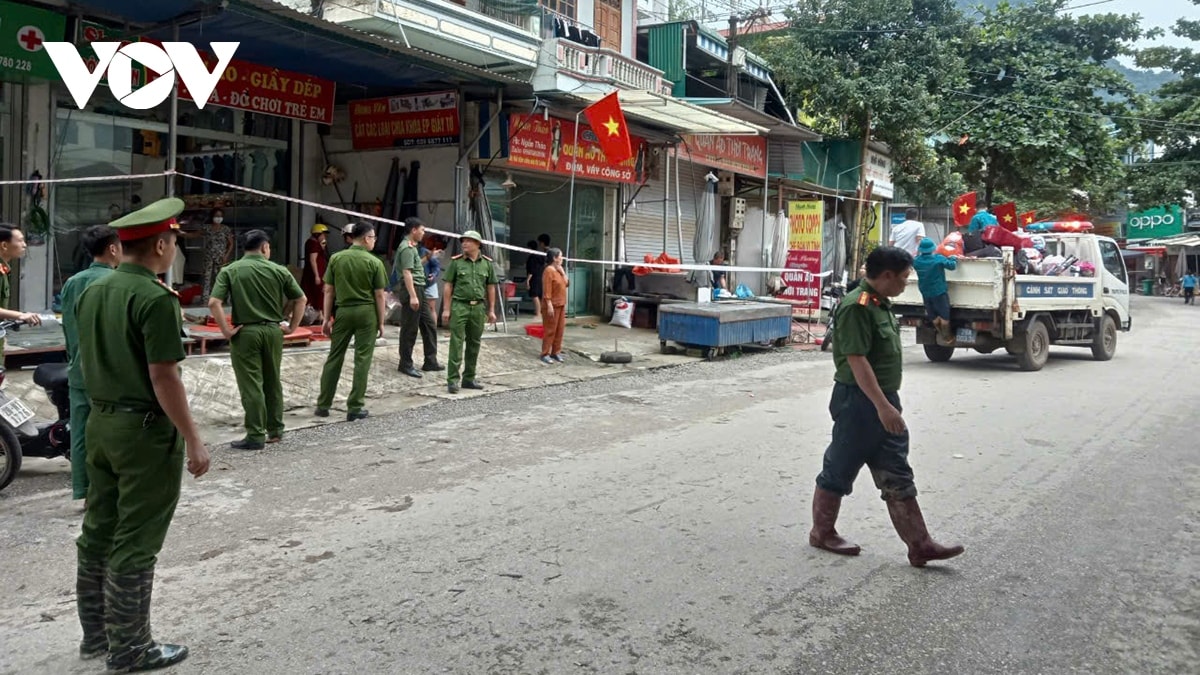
519,249
791,272
85,179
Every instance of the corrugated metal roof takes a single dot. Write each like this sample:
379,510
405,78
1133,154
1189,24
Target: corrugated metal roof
275,35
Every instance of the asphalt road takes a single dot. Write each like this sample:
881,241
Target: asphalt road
657,523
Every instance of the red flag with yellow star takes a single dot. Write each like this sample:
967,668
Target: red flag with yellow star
608,123
1006,215
1028,218
964,209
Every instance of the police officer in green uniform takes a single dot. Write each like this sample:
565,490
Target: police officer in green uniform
867,424
357,281
262,293
139,427
12,247
101,242
415,314
470,282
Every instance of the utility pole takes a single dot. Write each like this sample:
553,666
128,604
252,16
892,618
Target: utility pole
731,73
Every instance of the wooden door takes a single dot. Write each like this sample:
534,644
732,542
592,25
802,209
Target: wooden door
608,23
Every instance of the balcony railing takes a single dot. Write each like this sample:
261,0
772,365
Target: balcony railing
607,66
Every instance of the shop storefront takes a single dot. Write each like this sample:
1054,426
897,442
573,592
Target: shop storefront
531,194
242,138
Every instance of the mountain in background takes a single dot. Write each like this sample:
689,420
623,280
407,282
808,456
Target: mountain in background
990,4
1144,81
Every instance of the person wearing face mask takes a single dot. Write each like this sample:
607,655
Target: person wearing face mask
218,247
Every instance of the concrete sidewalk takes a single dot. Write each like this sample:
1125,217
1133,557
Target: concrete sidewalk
507,361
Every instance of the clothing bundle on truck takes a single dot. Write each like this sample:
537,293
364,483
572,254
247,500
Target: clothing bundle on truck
1063,285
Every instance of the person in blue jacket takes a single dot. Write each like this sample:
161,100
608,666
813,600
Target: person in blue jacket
931,279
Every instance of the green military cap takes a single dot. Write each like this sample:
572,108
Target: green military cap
472,234
150,220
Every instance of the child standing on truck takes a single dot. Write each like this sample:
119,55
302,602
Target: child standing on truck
931,279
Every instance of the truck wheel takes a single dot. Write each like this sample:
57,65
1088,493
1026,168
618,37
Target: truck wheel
1104,342
1037,348
938,353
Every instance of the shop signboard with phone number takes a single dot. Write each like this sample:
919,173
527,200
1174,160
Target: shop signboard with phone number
23,32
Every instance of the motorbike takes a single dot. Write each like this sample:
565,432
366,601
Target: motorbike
835,293
23,436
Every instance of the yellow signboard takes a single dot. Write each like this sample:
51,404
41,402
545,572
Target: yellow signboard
804,220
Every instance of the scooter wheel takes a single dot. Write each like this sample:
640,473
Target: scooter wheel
10,455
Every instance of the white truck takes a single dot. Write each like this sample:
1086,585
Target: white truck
993,307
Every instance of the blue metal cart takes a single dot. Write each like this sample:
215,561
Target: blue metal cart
715,326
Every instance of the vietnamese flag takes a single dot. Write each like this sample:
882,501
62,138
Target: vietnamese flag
1028,218
1006,214
608,123
964,209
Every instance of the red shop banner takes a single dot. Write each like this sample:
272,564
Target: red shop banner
548,145
802,286
422,120
746,155
271,91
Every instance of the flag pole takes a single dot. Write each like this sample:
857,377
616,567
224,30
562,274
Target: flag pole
571,202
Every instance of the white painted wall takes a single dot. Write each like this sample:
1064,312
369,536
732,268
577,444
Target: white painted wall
750,247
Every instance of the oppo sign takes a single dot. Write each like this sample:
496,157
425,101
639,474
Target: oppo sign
1162,221
1142,222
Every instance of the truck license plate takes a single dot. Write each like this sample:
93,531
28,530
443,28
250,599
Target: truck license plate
15,412
965,335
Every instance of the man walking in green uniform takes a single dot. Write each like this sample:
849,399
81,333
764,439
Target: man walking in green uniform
867,424
12,247
356,280
101,242
139,427
415,313
470,282
262,293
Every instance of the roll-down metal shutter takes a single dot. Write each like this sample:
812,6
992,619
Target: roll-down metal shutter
644,220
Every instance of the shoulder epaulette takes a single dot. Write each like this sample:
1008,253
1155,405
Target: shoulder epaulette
167,288
865,299
4,269
456,257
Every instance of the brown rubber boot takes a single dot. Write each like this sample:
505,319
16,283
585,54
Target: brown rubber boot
824,535
910,525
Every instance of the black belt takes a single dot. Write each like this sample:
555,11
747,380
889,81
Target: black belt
472,303
148,415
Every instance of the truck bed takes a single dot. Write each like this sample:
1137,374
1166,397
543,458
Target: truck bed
978,284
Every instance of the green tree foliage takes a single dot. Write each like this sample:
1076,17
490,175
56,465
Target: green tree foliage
1173,175
882,64
1042,119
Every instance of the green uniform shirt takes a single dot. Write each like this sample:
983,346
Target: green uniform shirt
355,274
408,257
5,287
259,289
470,278
127,320
867,327
70,322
